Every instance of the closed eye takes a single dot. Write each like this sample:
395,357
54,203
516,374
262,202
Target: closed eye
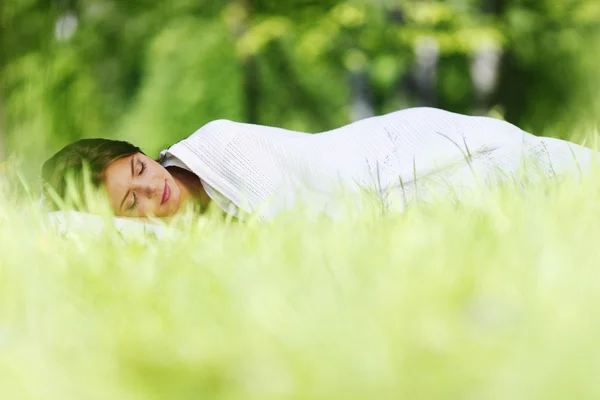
134,204
143,168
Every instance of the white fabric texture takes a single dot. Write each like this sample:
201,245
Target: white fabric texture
168,160
66,222
268,170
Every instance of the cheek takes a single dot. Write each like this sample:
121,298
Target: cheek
147,208
159,171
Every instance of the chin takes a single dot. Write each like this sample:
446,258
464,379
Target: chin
175,202
169,212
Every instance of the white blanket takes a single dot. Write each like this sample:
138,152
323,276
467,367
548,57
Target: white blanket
267,170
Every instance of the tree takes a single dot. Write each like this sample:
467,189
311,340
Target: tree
152,72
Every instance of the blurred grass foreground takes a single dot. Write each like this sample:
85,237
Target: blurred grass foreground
493,301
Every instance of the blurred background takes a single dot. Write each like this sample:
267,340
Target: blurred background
152,72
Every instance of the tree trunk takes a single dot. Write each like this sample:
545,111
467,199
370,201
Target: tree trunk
251,85
485,65
362,103
419,86
485,68
425,71
251,89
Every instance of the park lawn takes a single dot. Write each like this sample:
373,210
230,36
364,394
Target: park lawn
496,301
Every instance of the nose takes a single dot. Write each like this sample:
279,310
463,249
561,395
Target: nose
148,189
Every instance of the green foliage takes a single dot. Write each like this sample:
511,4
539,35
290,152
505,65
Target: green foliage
490,302
154,72
553,64
191,78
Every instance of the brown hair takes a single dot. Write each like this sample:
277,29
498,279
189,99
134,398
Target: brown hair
71,162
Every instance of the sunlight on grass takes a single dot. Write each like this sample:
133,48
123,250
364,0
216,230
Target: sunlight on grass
494,301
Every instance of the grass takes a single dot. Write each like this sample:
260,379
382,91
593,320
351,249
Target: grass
497,301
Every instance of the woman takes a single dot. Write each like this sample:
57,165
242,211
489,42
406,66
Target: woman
403,156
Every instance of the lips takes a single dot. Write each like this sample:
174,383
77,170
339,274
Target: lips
166,194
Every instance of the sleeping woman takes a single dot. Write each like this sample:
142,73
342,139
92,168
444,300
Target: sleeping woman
413,154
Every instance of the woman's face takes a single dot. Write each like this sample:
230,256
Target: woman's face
138,186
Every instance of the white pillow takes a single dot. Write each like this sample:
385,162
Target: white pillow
69,221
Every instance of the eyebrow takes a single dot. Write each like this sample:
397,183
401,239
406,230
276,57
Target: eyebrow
129,191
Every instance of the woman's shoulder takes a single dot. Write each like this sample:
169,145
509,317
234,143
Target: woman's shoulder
218,124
